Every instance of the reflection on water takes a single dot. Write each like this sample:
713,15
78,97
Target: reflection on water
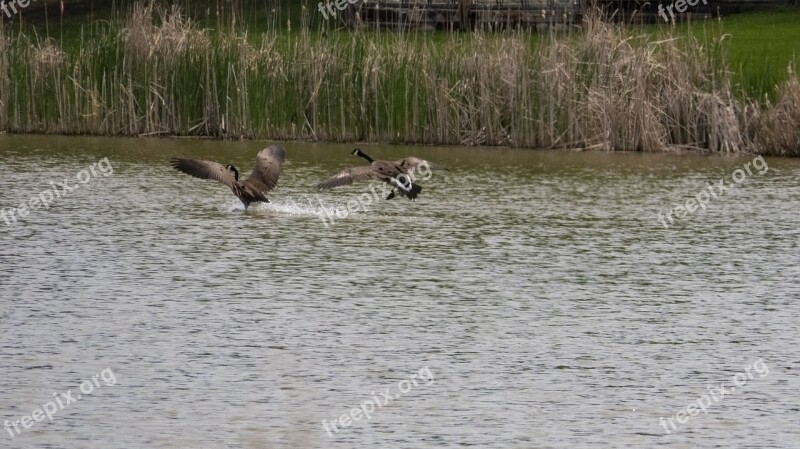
539,287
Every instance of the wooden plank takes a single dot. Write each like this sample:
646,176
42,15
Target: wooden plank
467,14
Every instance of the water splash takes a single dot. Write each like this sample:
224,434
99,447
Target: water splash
233,205
309,205
305,205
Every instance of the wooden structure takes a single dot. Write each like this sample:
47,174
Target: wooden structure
530,14
647,10
466,14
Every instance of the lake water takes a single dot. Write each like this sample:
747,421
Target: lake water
535,296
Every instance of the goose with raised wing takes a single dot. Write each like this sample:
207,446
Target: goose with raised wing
264,177
399,174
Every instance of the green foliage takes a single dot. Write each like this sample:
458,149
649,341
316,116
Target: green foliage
153,70
761,49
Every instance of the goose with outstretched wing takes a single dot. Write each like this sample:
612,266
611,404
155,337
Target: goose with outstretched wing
264,177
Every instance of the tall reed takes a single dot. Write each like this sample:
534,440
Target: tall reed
156,72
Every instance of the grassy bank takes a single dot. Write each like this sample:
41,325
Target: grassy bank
762,47
154,71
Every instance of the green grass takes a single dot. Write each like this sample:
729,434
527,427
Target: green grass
759,47
763,47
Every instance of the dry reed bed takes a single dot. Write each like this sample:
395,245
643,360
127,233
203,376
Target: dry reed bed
602,88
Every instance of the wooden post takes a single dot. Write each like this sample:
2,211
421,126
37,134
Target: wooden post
463,15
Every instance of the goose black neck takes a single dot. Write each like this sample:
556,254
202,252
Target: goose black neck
235,172
362,154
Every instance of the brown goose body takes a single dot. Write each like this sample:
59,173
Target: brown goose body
264,177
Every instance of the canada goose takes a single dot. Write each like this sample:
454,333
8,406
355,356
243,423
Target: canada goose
398,174
386,171
408,165
253,189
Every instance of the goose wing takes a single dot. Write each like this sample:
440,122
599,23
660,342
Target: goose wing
204,170
348,176
268,167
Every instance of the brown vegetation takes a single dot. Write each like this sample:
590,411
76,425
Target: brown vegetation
603,87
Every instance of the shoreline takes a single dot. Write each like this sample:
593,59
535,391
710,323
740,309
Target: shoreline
677,151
